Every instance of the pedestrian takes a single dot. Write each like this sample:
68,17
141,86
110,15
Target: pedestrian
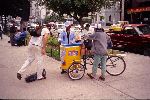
13,30
87,42
1,33
36,50
20,37
99,49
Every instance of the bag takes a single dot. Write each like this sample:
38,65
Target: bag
36,32
88,44
109,45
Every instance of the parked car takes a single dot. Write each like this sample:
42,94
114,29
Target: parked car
132,36
118,26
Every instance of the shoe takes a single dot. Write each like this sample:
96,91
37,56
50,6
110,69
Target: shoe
44,73
63,71
41,78
90,75
102,78
19,76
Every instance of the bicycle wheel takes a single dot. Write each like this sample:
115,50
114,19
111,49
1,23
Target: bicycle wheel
115,65
76,71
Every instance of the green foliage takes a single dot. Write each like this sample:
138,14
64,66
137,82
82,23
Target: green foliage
77,8
54,17
52,48
53,41
15,8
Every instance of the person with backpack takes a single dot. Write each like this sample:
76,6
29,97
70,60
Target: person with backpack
36,50
99,49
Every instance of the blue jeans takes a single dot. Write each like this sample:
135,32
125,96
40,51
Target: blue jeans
102,60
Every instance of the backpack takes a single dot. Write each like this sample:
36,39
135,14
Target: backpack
36,32
109,44
88,44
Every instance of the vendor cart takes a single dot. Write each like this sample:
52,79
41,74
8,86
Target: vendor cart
70,55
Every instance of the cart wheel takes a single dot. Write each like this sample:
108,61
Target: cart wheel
76,71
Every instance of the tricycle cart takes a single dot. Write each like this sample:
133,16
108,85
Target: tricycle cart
71,61
70,55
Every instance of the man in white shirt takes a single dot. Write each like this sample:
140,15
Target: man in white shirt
36,49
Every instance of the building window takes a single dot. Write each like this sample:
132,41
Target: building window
110,18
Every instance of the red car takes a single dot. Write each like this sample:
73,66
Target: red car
132,36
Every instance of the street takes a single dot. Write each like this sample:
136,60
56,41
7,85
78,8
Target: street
134,83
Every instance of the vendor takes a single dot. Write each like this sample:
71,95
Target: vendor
67,37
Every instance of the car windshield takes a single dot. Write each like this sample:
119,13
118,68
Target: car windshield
145,29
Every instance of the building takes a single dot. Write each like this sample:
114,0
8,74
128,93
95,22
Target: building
37,13
111,15
137,11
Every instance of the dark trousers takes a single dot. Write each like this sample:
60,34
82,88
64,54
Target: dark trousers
1,35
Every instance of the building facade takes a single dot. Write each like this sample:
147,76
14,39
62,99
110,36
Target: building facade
137,11
111,15
37,13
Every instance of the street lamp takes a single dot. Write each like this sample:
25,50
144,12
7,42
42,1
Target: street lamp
41,15
122,9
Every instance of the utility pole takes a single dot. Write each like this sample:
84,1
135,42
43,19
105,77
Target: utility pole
122,9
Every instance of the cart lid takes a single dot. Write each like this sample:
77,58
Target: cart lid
75,44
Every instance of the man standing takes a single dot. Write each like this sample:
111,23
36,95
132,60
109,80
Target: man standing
13,30
36,49
99,49
1,33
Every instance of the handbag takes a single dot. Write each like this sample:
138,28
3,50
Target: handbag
88,43
109,45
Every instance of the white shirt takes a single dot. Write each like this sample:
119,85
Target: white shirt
38,40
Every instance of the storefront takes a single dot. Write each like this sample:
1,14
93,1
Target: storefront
139,15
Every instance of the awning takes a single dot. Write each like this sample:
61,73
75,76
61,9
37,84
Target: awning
139,9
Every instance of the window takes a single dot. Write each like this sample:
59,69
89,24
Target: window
110,18
145,29
130,30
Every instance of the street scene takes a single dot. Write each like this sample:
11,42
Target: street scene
74,49
132,84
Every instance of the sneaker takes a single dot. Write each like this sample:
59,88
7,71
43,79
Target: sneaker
19,76
102,78
44,73
90,75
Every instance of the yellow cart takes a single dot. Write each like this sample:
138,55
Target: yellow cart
70,55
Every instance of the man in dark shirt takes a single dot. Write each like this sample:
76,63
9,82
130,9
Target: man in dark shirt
12,34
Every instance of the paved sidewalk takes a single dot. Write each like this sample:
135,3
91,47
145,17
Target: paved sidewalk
134,83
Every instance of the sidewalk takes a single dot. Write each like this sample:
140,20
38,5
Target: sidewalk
132,84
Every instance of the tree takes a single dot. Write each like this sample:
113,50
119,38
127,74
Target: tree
15,8
54,17
77,8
